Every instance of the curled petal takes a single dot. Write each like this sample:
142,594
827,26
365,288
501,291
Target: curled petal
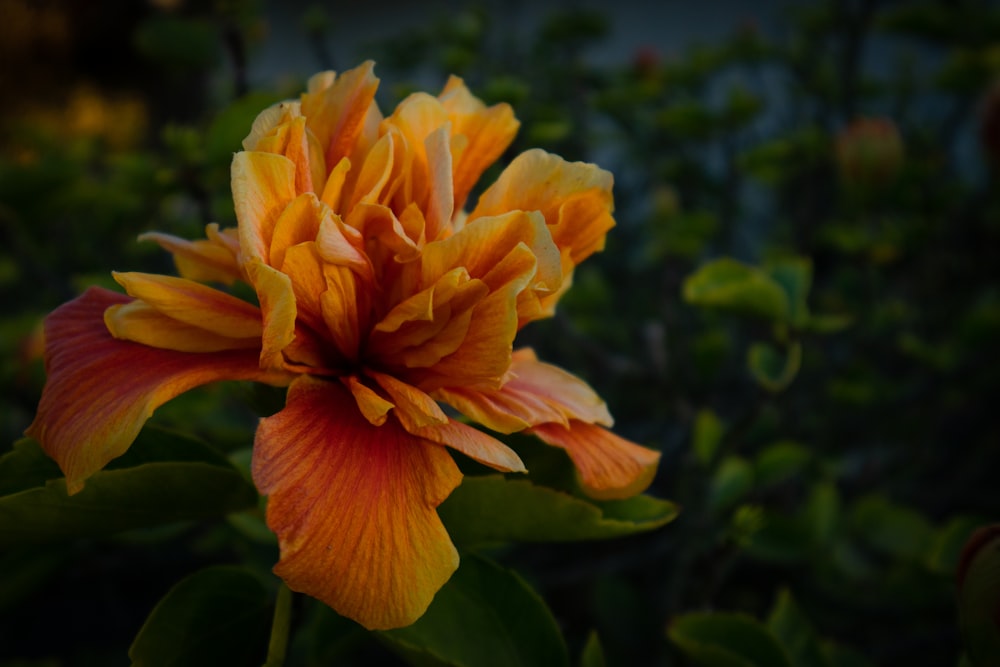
486,133
609,466
353,505
336,108
141,323
534,393
100,390
574,197
194,304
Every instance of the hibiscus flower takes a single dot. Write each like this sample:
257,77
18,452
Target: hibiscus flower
378,300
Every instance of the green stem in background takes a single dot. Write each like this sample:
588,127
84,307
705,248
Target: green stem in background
280,628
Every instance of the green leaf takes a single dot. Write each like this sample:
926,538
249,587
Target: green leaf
732,286
892,529
948,541
164,478
822,512
795,633
732,481
491,508
593,654
218,616
794,274
502,622
772,370
781,462
708,432
727,640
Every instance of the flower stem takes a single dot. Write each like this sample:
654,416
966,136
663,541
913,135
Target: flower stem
280,628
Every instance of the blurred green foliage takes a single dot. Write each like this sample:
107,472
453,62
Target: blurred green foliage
800,312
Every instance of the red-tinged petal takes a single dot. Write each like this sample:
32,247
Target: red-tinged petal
195,304
336,108
534,393
487,131
574,197
609,467
141,323
414,408
100,390
374,408
263,185
205,260
475,444
353,506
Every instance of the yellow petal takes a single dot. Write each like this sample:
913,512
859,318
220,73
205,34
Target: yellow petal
141,323
353,506
263,185
195,304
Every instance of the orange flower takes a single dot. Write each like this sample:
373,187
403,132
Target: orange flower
379,300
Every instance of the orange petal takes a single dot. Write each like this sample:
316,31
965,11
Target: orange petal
100,390
141,323
374,408
277,304
205,260
298,223
534,393
336,108
414,408
487,131
475,444
263,185
482,244
574,197
609,467
194,304
353,506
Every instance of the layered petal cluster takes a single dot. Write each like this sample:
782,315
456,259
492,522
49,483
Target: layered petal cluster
378,300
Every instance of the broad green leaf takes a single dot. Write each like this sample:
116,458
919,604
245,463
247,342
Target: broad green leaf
773,370
827,323
218,616
484,616
727,640
708,432
794,274
593,654
164,478
732,286
892,529
491,508
822,512
26,466
782,539
733,480
795,633
780,462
